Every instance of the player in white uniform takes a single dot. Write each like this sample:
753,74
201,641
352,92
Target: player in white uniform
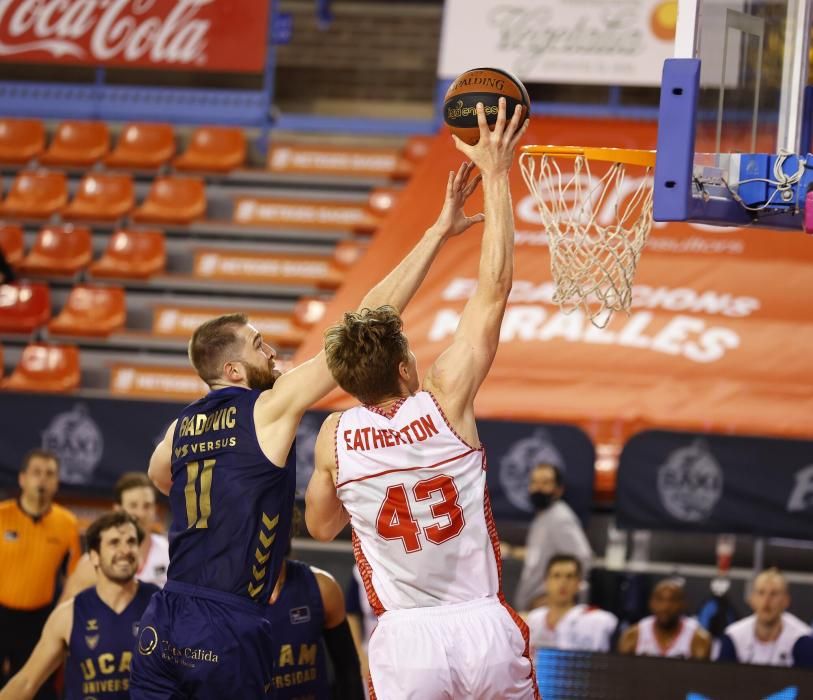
667,632
561,623
768,636
135,495
407,470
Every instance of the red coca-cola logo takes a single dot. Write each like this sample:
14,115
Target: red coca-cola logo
214,34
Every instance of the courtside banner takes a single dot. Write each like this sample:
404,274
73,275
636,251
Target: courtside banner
196,35
716,340
716,483
593,42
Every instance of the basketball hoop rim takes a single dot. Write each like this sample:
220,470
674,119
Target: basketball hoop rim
628,156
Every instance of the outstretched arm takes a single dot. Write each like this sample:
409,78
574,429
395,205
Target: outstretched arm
298,389
460,370
49,653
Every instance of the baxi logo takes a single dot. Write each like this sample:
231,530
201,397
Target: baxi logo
516,464
690,483
78,442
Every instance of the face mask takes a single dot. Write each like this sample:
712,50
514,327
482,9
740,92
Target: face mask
541,501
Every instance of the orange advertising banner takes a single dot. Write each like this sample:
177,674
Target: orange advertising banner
343,161
251,266
156,382
181,321
303,213
717,339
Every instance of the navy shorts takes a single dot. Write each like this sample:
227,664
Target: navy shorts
198,643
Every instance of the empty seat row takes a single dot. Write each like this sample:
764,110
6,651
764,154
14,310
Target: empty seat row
88,311
104,197
139,146
45,368
64,250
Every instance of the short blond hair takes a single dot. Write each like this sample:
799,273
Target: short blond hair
364,350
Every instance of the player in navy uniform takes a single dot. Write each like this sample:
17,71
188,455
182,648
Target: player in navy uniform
223,463
94,634
307,614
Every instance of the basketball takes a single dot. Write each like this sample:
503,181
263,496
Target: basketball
484,85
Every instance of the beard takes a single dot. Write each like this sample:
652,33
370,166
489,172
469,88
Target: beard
260,378
118,575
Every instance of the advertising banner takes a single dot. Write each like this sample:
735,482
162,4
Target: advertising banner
97,440
715,341
592,42
578,675
188,35
716,483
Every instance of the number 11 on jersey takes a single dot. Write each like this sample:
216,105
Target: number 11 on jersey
396,522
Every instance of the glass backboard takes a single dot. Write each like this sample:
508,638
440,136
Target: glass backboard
735,87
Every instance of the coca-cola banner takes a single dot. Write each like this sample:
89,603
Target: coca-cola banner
204,35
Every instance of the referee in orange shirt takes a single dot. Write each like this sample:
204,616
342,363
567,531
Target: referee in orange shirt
39,542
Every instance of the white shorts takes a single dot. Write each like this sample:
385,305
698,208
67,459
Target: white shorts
467,650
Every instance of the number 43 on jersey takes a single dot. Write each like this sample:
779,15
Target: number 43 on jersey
396,522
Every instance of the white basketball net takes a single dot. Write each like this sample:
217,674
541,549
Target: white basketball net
596,227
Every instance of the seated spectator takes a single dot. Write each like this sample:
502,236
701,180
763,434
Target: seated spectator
562,623
554,529
769,635
667,632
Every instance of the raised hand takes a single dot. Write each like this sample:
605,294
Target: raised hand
452,221
494,152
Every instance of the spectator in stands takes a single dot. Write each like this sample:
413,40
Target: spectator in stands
667,632
307,613
768,636
39,542
94,634
554,529
563,624
361,618
135,495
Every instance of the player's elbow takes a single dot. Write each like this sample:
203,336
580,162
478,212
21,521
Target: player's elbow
320,531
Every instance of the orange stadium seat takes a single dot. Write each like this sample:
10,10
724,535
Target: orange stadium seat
178,200
36,195
214,149
50,368
96,311
77,143
11,243
102,196
142,145
24,307
132,254
345,255
21,140
308,311
59,250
